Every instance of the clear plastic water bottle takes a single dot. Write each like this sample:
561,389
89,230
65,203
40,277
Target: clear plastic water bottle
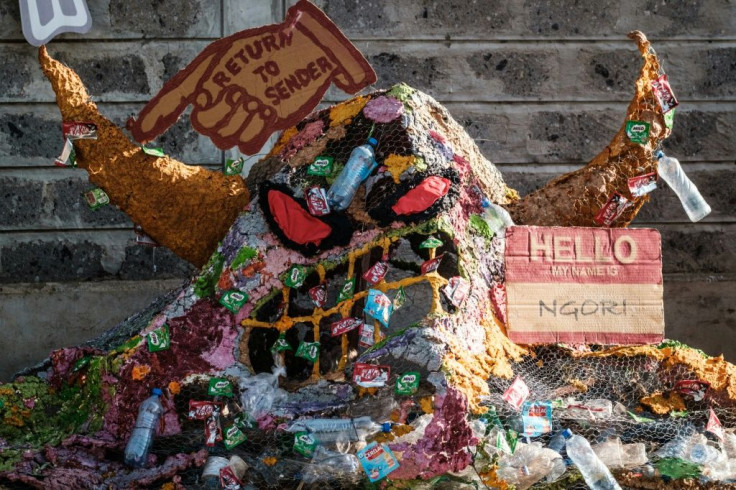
595,473
361,163
334,430
139,444
670,170
498,218
557,441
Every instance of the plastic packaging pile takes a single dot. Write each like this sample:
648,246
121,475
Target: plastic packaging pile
349,331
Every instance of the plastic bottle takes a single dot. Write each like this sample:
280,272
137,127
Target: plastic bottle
617,455
670,170
595,473
361,163
136,452
331,467
529,464
334,430
498,218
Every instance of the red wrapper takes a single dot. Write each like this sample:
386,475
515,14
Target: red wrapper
345,325
642,184
202,410
663,93
457,290
317,201
517,393
714,426
614,208
319,295
370,375
431,265
79,130
228,480
692,387
376,273
213,429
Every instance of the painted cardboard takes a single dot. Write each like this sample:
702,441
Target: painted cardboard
584,285
42,20
248,85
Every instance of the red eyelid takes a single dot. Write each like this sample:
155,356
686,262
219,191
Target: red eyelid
423,196
297,224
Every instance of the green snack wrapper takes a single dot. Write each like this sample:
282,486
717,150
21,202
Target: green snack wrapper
407,383
233,300
322,167
637,131
96,198
245,421
159,339
154,152
281,344
305,444
233,437
639,419
490,418
347,291
512,437
399,299
308,351
233,167
669,118
220,387
431,242
295,276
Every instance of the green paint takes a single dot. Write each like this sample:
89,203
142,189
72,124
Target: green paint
419,163
204,286
243,256
676,468
479,226
675,344
401,91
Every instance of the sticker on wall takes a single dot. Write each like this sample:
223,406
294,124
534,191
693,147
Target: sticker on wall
246,86
41,20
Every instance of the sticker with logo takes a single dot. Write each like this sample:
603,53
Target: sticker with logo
378,306
377,272
642,185
536,418
79,130
347,291
318,294
399,299
158,339
612,210
321,167
68,157
431,265
407,383
96,198
663,92
233,300
344,325
281,345
638,131
308,351
305,444
233,437
370,375
377,461
456,290
233,167
295,276
317,201
220,387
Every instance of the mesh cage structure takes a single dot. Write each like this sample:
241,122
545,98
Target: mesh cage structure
373,329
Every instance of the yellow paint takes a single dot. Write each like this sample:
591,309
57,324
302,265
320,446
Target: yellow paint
427,404
344,113
579,385
270,461
285,137
661,404
398,164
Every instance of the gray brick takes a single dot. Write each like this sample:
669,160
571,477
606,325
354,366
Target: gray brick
29,135
52,260
140,261
520,74
559,18
699,249
173,18
246,14
124,73
16,71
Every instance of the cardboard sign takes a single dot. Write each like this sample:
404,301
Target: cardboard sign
42,20
248,85
584,285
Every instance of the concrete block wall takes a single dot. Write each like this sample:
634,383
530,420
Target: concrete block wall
541,84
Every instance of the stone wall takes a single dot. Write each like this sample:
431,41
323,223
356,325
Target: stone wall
541,84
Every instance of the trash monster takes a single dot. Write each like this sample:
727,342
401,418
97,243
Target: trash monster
347,325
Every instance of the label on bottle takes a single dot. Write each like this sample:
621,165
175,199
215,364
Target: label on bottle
295,276
407,383
456,290
663,93
233,300
233,437
692,387
370,375
344,326
220,387
431,242
96,198
714,426
317,201
376,273
431,265
308,351
321,166
233,167
611,211
347,291
318,294
281,345
642,185
399,299
68,157
537,418
637,131
305,444
377,461
158,339
79,130
517,393
378,306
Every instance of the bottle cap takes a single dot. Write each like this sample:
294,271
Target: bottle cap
567,433
659,154
372,141
386,427
157,391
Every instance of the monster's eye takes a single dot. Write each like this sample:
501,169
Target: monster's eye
289,218
416,199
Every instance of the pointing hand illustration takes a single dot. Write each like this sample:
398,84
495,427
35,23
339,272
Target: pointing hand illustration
248,85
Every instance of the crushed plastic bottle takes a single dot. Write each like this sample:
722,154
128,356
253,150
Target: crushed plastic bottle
557,441
330,466
141,440
339,430
596,409
529,464
359,166
671,172
595,473
617,455
497,218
